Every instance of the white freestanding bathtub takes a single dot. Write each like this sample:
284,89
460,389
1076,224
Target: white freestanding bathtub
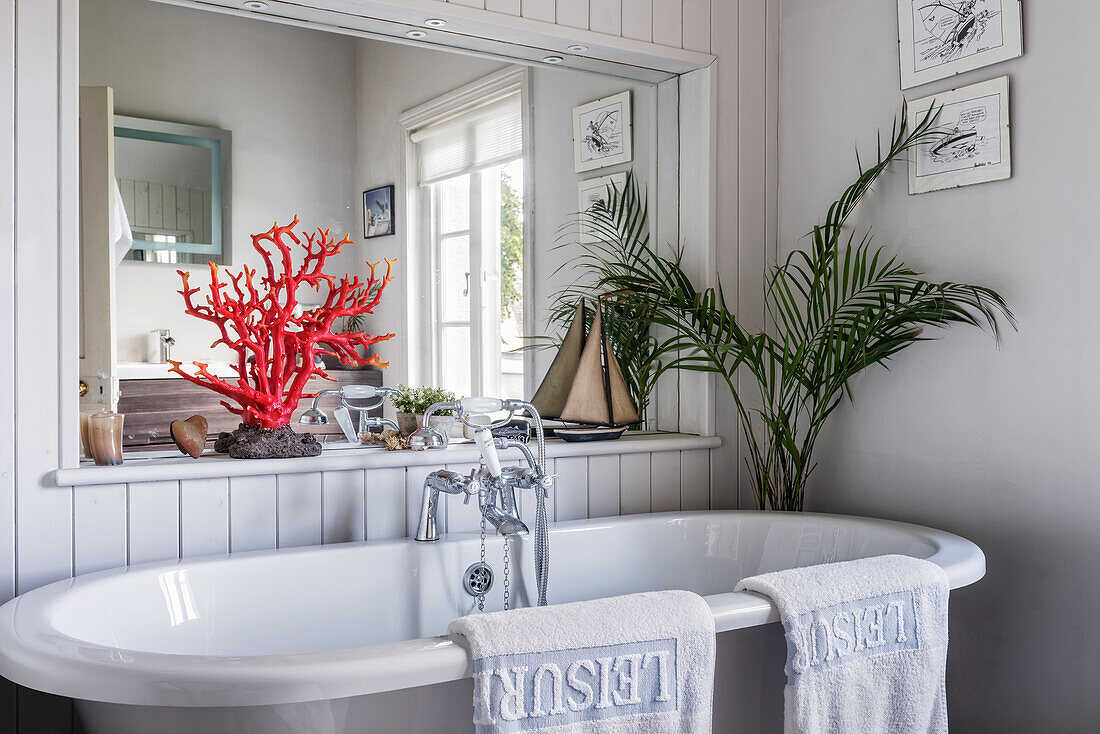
347,638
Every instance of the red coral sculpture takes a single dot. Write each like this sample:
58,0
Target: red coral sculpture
276,349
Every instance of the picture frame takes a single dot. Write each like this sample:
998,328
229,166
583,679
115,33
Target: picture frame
978,147
378,212
941,38
603,133
593,190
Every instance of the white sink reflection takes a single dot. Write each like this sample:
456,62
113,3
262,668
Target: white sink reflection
153,371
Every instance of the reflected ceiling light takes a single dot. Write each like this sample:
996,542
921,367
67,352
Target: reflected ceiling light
255,4
552,59
435,22
417,34
576,48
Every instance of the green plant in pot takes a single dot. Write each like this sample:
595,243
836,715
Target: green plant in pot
836,306
413,402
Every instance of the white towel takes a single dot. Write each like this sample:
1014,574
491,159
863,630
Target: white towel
866,645
118,226
636,664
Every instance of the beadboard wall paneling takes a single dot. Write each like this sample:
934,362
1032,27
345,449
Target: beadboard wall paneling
638,19
605,16
545,10
117,524
153,521
507,7
677,23
204,516
7,314
572,13
668,22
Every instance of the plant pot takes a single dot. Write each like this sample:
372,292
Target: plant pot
408,422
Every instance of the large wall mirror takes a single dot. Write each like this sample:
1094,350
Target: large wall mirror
479,150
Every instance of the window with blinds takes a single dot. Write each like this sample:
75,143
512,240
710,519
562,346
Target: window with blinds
469,202
470,141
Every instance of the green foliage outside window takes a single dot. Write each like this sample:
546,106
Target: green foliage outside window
511,247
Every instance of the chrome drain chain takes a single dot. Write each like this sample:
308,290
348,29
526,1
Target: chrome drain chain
506,572
481,596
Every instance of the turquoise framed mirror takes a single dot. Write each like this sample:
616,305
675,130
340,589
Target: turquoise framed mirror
174,182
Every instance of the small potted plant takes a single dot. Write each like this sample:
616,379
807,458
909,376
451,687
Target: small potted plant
412,402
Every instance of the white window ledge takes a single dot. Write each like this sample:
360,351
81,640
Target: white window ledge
208,466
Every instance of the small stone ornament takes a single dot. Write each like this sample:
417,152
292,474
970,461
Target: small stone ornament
190,435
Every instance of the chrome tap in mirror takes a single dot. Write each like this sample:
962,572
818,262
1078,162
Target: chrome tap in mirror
314,416
165,343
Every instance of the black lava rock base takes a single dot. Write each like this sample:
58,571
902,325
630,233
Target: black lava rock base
254,442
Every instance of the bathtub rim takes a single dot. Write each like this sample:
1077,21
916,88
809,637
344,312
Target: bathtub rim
36,656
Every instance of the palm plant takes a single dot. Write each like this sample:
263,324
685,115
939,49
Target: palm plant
835,307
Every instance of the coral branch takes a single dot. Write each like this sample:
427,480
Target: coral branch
276,349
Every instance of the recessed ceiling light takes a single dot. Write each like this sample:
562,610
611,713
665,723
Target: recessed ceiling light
435,22
552,59
255,4
417,34
576,48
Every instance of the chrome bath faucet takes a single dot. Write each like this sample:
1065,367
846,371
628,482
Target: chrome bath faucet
495,487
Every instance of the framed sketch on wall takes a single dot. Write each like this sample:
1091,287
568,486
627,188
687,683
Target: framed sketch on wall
378,212
976,147
941,38
602,133
597,189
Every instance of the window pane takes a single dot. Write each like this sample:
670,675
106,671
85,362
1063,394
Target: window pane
456,360
454,274
454,204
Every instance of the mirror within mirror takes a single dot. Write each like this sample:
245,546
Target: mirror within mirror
173,181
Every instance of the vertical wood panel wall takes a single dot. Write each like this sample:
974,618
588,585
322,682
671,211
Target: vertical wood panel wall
677,23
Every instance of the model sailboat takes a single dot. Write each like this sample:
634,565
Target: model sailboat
586,385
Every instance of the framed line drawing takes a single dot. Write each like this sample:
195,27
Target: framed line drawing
976,147
378,212
602,133
941,38
593,190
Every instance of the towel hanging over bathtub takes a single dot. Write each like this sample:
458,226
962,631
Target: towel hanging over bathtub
866,645
636,664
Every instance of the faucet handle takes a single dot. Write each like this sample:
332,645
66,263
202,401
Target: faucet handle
472,487
546,483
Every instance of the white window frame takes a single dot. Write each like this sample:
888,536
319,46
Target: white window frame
423,343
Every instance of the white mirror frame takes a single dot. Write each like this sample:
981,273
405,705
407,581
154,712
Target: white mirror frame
693,101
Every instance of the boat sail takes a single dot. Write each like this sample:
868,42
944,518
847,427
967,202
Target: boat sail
585,384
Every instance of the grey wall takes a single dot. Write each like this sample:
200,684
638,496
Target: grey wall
997,445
